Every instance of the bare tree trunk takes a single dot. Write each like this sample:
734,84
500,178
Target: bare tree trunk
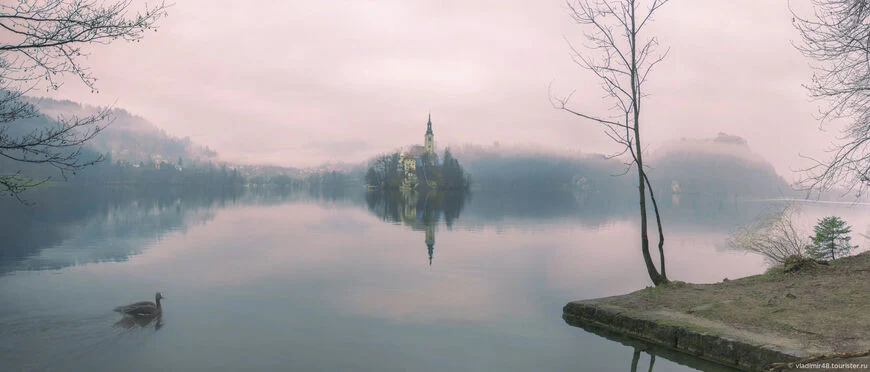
624,67
656,277
635,358
652,197
644,237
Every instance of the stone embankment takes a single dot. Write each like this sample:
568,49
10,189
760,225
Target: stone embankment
818,314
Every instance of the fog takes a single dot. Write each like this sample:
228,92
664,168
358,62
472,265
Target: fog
302,83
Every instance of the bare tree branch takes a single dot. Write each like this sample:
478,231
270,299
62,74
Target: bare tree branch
775,236
836,36
41,41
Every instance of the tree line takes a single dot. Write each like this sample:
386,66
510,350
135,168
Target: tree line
120,172
386,172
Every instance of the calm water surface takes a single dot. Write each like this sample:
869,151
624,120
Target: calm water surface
347,281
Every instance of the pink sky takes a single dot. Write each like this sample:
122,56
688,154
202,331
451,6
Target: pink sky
306,82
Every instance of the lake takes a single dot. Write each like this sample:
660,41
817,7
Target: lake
343,280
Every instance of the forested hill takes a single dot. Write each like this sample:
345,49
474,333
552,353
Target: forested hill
129,138
134,152
722,167
498,167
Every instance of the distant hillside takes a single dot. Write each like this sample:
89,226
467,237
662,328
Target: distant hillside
529,168
130,138
135,152
723,167
138,152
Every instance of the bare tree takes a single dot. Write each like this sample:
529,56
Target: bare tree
623,63
837,37
774,236
41,41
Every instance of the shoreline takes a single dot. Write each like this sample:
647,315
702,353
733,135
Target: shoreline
683,341
748,324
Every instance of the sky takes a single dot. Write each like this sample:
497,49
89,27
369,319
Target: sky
300,83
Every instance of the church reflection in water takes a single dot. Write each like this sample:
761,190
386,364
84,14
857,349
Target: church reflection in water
419,210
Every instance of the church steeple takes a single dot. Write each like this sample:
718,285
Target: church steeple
430,239
430,141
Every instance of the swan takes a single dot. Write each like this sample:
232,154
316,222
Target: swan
143,309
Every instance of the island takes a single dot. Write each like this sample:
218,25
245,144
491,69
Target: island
417,168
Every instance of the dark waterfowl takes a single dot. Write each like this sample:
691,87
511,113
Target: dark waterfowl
143,309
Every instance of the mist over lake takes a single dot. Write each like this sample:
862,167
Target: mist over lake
274,280
607,185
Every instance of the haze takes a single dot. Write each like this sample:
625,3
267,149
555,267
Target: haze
300,83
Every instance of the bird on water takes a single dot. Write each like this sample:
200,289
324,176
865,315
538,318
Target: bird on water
143,309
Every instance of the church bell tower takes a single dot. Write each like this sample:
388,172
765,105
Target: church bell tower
430,140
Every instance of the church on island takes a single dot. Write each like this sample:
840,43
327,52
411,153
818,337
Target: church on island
421,157
417,168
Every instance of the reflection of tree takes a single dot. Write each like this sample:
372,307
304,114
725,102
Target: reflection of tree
653,350
636,358
422,211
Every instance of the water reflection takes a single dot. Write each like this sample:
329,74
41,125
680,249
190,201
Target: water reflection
72,226
328,276
129,321
97,224
597,209
636,358
421,211
639,348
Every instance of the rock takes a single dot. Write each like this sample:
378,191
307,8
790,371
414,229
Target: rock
798,263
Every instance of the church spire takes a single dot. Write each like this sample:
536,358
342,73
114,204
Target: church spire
429,141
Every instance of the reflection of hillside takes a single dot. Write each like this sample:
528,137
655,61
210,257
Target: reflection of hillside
713,214
106,224
593,208
508,206
271,195
586,207
421,211
697,182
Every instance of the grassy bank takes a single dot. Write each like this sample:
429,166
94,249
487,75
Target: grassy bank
780,316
